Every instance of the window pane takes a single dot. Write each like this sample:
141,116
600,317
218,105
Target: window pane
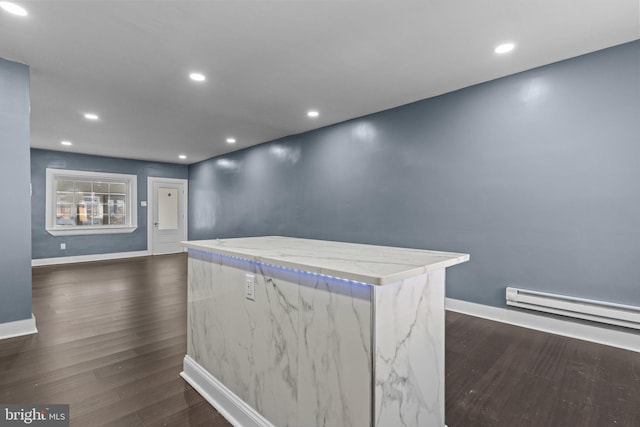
85,210
65,220
64,197
105,213
118,188
117,205
83,217
65,208
65,212
83,186
64,186
117,219
100,187
79,197
96,211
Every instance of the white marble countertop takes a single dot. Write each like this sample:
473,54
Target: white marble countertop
377,265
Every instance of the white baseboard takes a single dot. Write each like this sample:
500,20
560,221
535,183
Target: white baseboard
18,328
87,258
230,406
582,330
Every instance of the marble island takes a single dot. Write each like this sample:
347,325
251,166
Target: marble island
305,333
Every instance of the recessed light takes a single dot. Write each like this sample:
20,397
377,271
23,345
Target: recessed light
313,113
197,77
91,116
504,48
66,143
231,140
182,156
13,8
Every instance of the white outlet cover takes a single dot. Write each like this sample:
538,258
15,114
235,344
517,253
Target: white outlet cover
250,287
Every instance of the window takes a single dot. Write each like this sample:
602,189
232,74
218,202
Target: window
80,202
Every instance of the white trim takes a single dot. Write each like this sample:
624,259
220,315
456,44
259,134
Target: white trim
230,406
150,206
612,336
87,258
18,328
71,230
92,230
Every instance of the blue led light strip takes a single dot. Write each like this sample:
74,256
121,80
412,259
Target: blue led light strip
279,267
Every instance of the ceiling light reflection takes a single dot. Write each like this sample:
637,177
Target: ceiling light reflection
504,48
13,8
286,153
227,164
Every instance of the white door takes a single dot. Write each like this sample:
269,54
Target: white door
167,215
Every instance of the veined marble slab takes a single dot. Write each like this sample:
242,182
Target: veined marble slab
300,354
249,346
376,265
409,356
334,353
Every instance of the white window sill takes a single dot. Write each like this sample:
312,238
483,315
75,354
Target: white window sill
79,231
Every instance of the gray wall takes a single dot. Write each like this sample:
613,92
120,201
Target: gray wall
15,230
48,246
536,175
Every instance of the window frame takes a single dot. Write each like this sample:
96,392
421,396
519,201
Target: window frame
131,200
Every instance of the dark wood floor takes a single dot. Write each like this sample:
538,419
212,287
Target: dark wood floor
502,375
112,338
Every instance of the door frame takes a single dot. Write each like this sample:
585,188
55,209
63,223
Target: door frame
151,180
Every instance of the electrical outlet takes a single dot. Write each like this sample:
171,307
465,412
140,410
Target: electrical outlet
63,246
250,287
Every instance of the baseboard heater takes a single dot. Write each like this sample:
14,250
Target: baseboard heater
597,311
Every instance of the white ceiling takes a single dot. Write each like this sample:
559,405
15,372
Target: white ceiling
268,62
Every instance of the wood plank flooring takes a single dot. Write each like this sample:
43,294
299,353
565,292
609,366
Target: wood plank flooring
503,375
112,336
111,340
